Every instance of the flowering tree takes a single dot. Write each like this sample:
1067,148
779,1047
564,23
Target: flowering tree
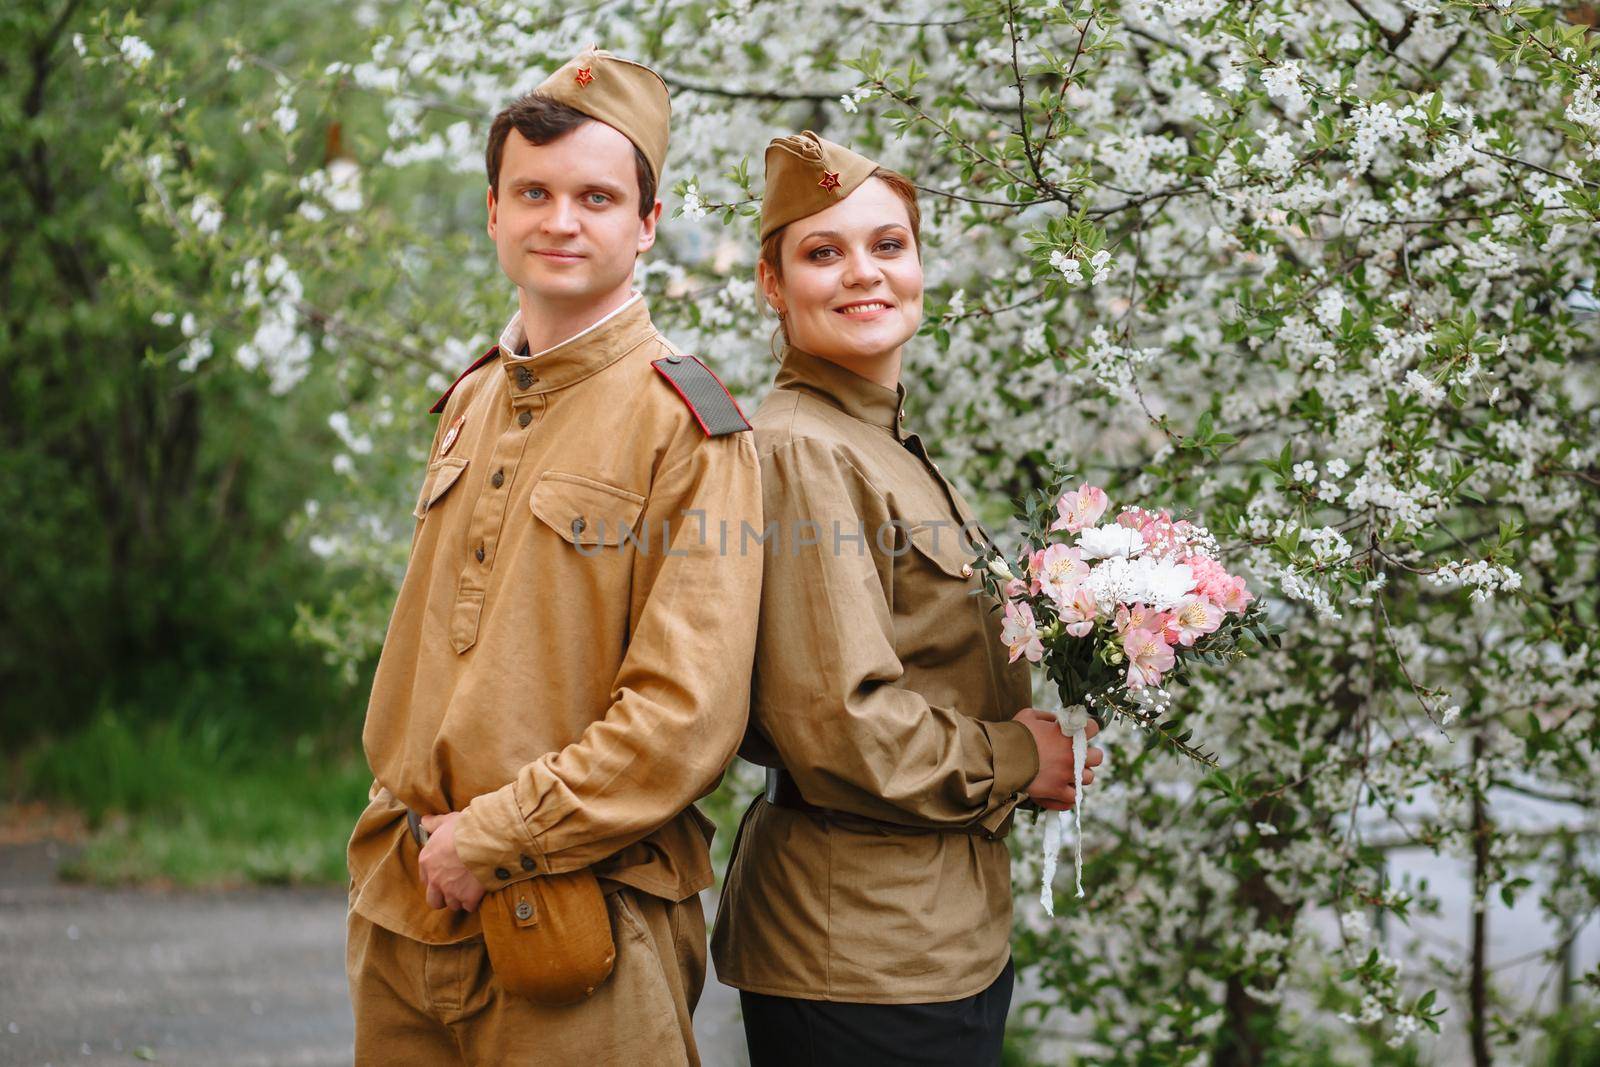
1323,273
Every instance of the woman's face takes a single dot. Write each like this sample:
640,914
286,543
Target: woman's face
852,279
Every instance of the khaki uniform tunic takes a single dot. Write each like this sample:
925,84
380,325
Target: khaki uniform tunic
884,688
567,663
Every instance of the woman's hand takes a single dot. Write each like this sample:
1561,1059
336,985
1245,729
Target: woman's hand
1053,788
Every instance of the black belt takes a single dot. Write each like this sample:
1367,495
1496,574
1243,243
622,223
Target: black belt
784,792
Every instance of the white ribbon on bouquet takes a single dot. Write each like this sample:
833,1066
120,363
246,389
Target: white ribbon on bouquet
1073,722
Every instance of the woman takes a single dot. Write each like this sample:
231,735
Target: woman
866,914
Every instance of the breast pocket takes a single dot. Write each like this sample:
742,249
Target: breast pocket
946,548
442,474
591,516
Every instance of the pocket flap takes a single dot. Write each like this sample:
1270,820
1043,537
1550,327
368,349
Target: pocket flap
442,474
586,512
946,546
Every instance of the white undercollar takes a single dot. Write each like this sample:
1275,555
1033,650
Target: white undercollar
513,337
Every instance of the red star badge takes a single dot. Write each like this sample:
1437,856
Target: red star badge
584,76
830,180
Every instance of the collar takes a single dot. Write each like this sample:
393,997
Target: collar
846,390
584,353
513,339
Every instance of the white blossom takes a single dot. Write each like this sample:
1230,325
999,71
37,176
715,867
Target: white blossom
206,213
693,206
135,51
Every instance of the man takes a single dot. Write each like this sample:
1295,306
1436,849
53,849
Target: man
567,667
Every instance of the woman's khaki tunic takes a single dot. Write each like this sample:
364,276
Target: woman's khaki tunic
881,685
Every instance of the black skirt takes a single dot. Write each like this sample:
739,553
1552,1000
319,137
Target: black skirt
788,1032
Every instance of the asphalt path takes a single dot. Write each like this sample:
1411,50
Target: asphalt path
242,978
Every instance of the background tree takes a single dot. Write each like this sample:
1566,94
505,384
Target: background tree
145,497
1323,273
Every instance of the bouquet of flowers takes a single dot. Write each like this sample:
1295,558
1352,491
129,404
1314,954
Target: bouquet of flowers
1115,612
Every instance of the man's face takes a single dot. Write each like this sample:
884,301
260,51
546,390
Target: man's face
565,218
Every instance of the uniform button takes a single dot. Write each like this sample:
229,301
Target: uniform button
525,418
479,553
966,570
524,378
527,864
499,479
524,910
578,524
501,873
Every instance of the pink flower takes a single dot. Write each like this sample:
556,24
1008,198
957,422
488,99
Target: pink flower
1020,633
1234,596
1061,569
1131,617
1210,579
1078,612
1194,617
1166,625
1081,507
1035,568
1161,535
1148,656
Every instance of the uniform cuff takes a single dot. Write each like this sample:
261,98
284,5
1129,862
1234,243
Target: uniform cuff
1016,759
493,841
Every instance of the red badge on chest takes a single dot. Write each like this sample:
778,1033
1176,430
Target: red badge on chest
451,434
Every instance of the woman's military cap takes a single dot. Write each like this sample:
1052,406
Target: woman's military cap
807,174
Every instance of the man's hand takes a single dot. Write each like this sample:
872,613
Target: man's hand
450,884
1053,788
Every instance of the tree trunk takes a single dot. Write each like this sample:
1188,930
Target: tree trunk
1477,991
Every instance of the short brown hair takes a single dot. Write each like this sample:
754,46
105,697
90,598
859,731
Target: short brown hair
542,120
770,247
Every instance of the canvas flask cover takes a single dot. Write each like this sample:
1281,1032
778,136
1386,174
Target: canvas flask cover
549,938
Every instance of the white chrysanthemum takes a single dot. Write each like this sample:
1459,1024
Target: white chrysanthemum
1158,584
1110,539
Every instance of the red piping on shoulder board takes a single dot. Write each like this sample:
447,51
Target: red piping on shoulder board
438,405
690,405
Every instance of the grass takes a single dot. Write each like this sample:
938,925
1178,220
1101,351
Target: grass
197,804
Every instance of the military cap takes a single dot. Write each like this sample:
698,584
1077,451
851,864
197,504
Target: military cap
627,96
807,174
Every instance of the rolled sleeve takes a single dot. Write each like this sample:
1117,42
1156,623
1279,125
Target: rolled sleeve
1016,761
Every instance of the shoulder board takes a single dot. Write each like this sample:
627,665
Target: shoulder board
438,405
712,406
